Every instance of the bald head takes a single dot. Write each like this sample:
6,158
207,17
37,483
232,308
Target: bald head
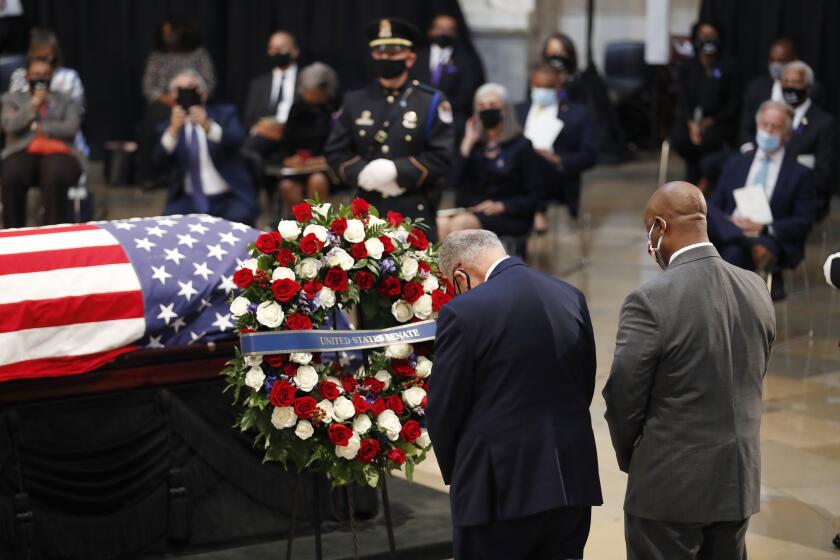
677,212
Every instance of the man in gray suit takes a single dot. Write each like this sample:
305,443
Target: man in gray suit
684,394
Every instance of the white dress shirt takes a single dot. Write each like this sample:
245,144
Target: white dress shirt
542,125
438,55
775,165
288,77
212,182
679,252
776,93
799,113
493,267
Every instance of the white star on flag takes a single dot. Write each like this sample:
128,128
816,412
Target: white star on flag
156,231
160,273
174,255
195,337
187,240
227,284
178,324
169,222
154,342
166,312
204,304
216,251
223,322
202,270
228,238
144,243
187,290
239,227
208,219
125,226
197,228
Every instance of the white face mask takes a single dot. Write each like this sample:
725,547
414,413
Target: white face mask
543,97
656,252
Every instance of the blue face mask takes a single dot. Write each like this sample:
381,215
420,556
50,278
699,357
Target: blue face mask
543,97
767,142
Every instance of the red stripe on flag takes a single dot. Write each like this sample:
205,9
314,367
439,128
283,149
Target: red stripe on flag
61,366
46,230
41,261
71,310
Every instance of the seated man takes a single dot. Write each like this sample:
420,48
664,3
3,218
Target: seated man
790,193
200,145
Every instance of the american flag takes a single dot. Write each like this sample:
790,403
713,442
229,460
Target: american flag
74,297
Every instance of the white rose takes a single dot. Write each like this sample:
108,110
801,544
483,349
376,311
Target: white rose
306,378
302,358
283,417
239,306
289,229
423,307
409,268
308,267
343,409
374,222
326,296
251,264
424,440
430,284
326,407
319,231
362,424
413,396
350,450
355,232
402,311
304,430
399,351
322,210
252,360
384,377
389,424
255,378
424,367
340,258
270,314
374,248
283,273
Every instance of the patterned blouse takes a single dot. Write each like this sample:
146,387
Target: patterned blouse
161,67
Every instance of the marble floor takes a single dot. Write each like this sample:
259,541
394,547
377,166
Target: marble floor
604,255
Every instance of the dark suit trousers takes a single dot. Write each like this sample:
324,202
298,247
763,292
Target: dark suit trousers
54,173
661,540
258,151
557,534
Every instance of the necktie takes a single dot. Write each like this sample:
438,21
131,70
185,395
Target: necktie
279,99
763,168
437,73
200,201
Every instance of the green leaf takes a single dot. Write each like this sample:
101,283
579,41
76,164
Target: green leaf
371,476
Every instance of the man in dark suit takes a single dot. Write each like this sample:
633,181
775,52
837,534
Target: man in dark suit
684,393
572,150
508,406
790,193
200,145
450,65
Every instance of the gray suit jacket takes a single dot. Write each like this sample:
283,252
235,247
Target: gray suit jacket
684,394
61,121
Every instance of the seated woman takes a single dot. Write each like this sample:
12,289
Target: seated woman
40,127
305,134
496,171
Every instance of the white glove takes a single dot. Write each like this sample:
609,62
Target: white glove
380,175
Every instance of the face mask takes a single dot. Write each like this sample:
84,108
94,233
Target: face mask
794,96
39,85
561,63
490,118
708,46
776,69
656,252
443,41
388,69
280,60
767,142
543,97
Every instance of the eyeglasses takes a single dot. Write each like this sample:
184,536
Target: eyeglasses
455,280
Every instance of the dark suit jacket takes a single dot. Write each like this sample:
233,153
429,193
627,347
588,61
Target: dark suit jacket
226,159
461,77
758,91
258,101
508,404
792,204
815,136
684,393
716,92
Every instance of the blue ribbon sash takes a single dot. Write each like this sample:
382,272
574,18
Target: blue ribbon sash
286,342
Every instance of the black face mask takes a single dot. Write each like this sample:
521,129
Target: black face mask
39,85
443,41
187,97
561,63
490,118
708,46
388,69
794,96
280,60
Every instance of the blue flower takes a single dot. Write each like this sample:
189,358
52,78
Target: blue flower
387,266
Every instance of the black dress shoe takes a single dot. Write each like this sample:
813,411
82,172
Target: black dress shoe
836,540
777,290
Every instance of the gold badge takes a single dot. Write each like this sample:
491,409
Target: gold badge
384,29
380,136
365,119
445,112
410,120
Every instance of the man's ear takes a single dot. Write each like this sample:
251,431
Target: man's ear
412,58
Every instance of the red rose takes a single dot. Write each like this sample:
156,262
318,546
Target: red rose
336,280
267,243
423,267
348,383
262,278
402,368
418,240
305,407
387,244
364,279
368,450
302,212
290,369
298,322
339,226
412,291
439,299
378,407
410,431
328,390
285,258
358,251
360,404
396,455
310,244
312,287
372,384
424,402
276,361
284,289
395,218
395,403
390,287
243,278
359,207
340,434
282,394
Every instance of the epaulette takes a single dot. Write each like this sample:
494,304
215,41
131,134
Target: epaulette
423,87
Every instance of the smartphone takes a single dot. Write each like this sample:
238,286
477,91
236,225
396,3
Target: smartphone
187,97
